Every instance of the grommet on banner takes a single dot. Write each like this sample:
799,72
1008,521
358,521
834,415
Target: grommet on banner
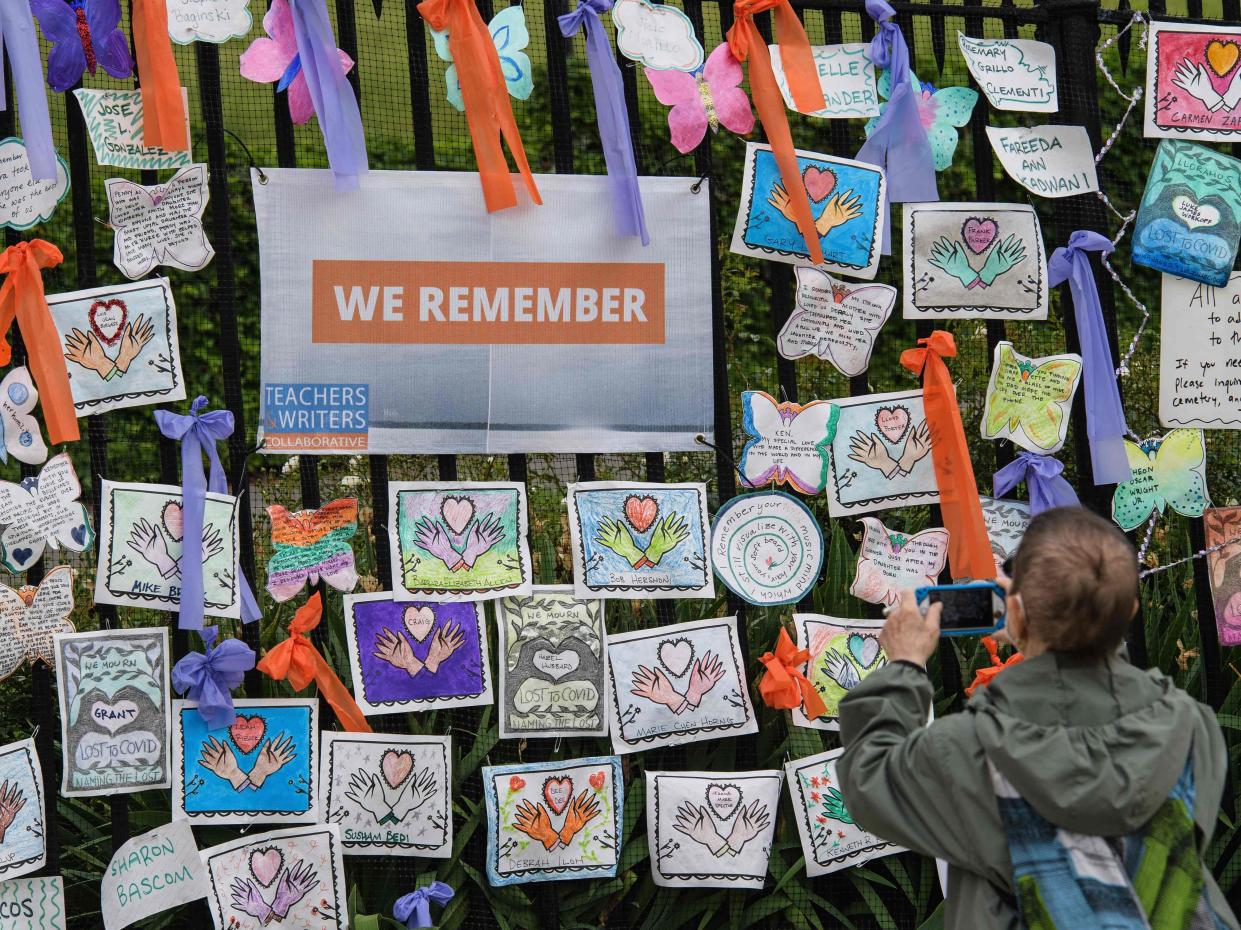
702,441
696,187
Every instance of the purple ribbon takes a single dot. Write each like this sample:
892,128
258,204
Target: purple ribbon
210,676
612,115
1105,417
898,143
1044,480
199,432
18,38
414,909
330,92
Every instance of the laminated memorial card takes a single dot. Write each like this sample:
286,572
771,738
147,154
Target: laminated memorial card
1015,74
1006,522
114,120
767,548
552,679
1169,473
558,337
30,618
114,710
786,443
33,903
261,768
639,540
1222,526
1193,88
677,684
23,831
842,653
835,321
1050,161
411,655
1029,400
846,76
43,512
389,794
25,202
1200,353
890,561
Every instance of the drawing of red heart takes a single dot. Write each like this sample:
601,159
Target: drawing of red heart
265,864
557,792
516,783
108,316
246,732
979,233
174,520
420,621
457,513
396,766
892,422
1222,56
641,512
819,182
598,780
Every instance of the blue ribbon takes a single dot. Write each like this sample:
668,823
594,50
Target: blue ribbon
612,114
898,143
198,433
414,909
1105,417
18,38
1044,480
210,676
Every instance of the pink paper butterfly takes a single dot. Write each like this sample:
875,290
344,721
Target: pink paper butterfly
276,60
705,98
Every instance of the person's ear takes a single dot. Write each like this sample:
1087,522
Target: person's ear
1015,620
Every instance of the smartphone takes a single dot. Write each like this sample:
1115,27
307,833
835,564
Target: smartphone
969,609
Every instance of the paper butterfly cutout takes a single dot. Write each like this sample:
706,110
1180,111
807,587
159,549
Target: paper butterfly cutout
159,225
275,60
838,322
31,616
889,562
43,511
509,33
22,438
310,545
788,442
1028,399
711,96
85,35
942,112
1167,472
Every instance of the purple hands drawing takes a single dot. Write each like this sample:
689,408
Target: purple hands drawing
267,868
458,537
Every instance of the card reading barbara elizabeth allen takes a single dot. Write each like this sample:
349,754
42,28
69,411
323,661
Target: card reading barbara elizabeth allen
554,338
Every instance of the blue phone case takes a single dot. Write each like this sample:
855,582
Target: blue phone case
922,593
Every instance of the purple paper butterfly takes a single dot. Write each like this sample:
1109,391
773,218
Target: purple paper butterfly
85,34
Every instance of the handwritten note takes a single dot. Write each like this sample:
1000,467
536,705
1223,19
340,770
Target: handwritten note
152,873
846,75
836,321
1051,161
114,121
1015,74
658,36
159,225
208,20
33,904
890,561
1200,354
25,202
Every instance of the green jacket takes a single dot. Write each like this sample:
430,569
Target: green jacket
1092,746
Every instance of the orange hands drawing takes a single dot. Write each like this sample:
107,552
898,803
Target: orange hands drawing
582,809
534,820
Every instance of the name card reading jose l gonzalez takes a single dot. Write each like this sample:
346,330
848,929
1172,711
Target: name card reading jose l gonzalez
511,333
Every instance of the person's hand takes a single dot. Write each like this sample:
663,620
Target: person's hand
669,533
916,447
216,757
696,823
750,823
907,636
431,537
447,640
1194,80
366,792
481,537
841,670
84,349
418,790
248,900
951,258
582,810
11,801
655,687
146,539
271,758
839,210
294,885
707,672
616,536
213,542
1003,258
394,649
871,452
779,198
532,820
134,337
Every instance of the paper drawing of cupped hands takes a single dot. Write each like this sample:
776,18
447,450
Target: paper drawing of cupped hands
656,687
670,532
87,349
387,805
217,757
12,800
840,209
458,547
535,821
149,541
695,822
953,259
392,647
1196,81
294,884
869,450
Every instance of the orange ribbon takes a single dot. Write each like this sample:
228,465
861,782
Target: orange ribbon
163,107
487,108
22,298
784,686
802,76
969,546
984,675
300,662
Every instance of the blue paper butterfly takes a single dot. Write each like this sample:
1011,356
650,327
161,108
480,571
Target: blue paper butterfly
508,32
942,113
